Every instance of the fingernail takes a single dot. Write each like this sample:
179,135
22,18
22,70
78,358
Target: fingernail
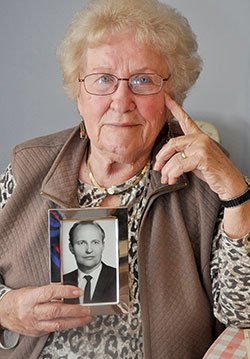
88,310
77,292
88,319
85,310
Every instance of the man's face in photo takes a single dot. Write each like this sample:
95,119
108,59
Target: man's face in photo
87,247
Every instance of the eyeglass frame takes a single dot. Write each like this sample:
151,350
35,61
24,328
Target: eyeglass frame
82,80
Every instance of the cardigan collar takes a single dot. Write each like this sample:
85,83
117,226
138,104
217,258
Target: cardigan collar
61,183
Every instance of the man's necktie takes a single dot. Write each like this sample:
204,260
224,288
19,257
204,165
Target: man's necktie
87,289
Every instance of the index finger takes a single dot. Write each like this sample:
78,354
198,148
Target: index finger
56,291
188,126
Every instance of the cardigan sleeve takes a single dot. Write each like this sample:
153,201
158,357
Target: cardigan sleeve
7,185
230,275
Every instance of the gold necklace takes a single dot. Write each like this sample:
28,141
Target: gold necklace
113,190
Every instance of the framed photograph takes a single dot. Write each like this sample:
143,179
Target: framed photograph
89,249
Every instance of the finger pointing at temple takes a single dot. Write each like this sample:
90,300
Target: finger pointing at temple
188,126
179,144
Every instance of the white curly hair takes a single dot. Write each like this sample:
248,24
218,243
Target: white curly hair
153,22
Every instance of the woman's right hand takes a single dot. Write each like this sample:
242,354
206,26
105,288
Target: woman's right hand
36,311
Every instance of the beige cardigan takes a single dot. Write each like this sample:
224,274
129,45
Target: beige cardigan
175,237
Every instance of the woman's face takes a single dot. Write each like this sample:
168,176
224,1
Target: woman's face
123,125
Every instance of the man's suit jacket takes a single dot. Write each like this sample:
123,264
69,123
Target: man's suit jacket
105,290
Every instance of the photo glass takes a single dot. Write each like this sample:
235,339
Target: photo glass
89,249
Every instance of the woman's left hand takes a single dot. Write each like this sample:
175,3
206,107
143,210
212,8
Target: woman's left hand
197,152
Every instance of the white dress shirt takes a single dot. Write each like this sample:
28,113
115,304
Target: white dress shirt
82,281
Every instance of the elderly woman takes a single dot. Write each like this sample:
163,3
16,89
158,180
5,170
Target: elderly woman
129,65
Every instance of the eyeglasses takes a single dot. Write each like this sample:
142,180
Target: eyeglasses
102,84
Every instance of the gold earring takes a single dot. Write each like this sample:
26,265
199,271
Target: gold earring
83,132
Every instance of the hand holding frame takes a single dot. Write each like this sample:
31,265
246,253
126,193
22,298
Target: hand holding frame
36,311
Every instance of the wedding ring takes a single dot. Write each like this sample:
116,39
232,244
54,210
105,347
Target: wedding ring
183,155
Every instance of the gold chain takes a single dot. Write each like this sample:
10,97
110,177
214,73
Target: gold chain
112,190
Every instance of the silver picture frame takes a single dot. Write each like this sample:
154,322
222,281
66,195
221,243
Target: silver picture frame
63,264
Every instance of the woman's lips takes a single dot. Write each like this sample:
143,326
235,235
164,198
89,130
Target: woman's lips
122,124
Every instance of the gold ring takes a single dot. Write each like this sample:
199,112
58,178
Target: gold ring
183,155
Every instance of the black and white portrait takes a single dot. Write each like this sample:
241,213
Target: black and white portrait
90,259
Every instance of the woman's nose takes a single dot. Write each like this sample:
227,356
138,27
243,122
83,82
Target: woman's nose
123,98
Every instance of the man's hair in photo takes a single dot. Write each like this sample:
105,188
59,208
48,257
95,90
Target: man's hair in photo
84,223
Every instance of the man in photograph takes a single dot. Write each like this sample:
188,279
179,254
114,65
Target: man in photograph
93,276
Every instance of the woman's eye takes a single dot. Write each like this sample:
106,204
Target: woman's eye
144,80
104,79
141,80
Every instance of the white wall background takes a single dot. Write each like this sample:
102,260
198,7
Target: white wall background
32,102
